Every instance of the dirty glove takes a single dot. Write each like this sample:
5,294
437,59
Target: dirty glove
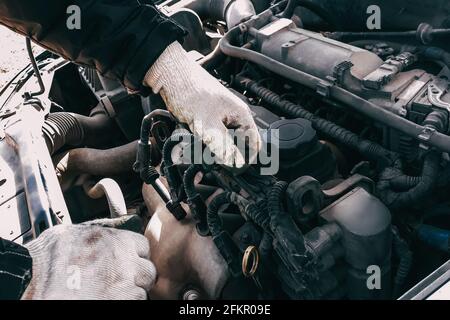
90,262
199,100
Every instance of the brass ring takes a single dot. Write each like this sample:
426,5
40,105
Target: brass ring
250,252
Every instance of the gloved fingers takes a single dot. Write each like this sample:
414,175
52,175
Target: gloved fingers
141,244
247,134
129,222
136,293
219,141
145,275
249,140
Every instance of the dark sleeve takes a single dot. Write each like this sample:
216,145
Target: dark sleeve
15,270
120,38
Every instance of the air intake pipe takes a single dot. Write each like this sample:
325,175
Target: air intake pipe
66,128
232,12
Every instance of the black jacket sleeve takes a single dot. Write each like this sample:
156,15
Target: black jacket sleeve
120,38
15,270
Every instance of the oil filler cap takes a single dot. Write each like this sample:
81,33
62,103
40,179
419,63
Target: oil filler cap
296,137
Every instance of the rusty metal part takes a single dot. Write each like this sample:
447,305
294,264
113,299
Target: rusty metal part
181,256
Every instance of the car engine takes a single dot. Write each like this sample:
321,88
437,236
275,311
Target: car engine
355,122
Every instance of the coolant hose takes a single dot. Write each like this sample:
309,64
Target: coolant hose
109,188
290,7
231,11
213,59
398,190
313,7
97,162
434,237
216,57
261,5
65,128
367,148
437,54
360,105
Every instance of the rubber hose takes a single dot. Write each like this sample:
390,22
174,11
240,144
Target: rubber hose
398,190
147,122
436,120
214,59
189,180
404,267
276,194
214,221
435,53
419,34
171,143
258,216
109,188
230,11
434,237
360,105
367,148
105,163
65,128
265,246
261,5
313,7
194,200
251,211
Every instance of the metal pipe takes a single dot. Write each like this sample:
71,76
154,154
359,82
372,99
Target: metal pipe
365,107
37,72
231,11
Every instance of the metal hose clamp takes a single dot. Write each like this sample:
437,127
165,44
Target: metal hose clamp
251,254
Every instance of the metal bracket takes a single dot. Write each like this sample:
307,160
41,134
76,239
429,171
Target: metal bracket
340,71
425,136
323,87
434,96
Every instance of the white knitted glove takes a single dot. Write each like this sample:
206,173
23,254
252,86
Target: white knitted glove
90,262
199,100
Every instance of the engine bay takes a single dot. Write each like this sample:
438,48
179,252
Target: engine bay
349,202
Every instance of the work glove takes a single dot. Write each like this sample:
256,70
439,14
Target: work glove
90,262
199,100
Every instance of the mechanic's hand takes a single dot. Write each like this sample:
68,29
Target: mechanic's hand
199,100
90,262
